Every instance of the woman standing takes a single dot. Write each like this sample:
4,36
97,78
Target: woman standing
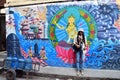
79,46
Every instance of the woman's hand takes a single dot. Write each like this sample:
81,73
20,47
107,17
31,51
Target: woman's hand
78,46
84,48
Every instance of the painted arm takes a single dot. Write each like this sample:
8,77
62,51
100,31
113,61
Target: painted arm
60,27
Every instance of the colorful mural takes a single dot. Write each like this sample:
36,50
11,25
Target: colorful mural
45,34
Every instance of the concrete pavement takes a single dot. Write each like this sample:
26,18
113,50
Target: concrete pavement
63,72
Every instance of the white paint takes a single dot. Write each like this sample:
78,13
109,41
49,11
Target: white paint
3,11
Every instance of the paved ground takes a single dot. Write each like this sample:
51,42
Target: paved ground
41,78
52,73
44,78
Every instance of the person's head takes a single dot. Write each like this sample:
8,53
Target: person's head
80,32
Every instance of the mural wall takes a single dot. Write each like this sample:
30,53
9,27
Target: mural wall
44,34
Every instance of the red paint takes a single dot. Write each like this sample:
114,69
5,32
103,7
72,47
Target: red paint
85,16
52,34
57,16
92,32
67,55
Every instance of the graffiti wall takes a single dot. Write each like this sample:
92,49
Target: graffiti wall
45,33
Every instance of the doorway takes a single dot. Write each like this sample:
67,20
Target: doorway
2,33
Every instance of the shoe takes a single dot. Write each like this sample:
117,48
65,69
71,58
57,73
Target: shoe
82,72
78,73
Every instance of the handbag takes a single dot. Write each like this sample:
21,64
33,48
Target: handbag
76,48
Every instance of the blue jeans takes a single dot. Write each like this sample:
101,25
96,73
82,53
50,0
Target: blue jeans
79,60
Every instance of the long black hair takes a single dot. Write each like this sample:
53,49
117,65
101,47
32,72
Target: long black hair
82,36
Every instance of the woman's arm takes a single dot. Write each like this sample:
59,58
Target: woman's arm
78,46
75,42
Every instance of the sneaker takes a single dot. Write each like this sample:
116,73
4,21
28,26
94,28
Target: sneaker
82,72
78,73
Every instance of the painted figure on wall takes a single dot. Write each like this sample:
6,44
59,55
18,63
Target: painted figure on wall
71,28
43,56
43,53
30,52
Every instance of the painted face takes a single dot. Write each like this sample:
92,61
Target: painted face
71,19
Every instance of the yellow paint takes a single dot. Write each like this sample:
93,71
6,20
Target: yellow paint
51,29
82,13
42,14
71,29
88,19
88,42
91,36
118,1
91,26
